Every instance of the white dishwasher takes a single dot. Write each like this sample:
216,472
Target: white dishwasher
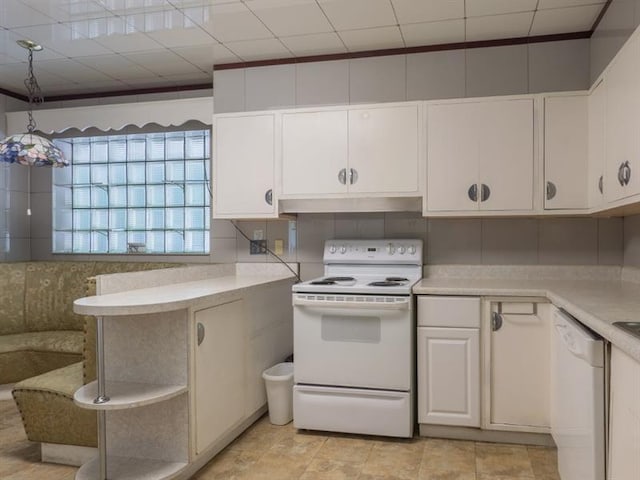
578,399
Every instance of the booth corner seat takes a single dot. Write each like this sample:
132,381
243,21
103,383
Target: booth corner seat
56,355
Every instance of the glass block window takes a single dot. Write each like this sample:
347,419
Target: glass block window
138,193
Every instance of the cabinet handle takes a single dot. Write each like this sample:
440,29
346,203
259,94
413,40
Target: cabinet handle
200,331
473,192
626,172
268,196
485,193
601,184
496,321
621,174
353,176
342,176
551,190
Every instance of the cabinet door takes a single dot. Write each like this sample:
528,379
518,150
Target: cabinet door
505,133
449,376
519,359
624,423
595,182
243,170
452,156
314,153
622,139
383,149
565,152
219,371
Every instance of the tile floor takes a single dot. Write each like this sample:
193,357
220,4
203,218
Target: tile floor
280,453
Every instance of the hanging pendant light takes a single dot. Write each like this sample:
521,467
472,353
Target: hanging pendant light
28,148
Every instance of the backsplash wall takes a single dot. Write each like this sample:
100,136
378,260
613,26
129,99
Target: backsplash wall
632,241
517,241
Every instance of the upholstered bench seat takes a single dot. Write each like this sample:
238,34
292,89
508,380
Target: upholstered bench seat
27,354
47,400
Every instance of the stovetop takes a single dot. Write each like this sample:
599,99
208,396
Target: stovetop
376,267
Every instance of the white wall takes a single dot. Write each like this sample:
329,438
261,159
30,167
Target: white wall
14,222
534,68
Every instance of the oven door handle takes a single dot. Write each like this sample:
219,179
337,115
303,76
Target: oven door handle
390,303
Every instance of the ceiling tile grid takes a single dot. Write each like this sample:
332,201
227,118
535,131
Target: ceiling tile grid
173,42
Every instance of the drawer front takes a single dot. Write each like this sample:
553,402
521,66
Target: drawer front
440,311
351,410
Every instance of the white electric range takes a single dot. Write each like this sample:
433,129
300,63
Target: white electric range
354,339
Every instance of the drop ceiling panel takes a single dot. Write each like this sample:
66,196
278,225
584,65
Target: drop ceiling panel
543,4
316,44
235,22
162,62
15,14
259,49
290,17
115,66
410,11
433,33
480,8
561,20
510,25
349,14
372,38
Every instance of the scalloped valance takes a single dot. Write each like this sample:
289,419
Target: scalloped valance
114,117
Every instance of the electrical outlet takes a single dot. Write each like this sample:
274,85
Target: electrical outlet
278,247
257,247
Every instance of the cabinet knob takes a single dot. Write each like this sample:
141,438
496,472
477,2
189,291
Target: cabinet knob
473,192
551,190
200,332
485,193
621,174
268,197
342,176
601,184
496,321
626,172
353,176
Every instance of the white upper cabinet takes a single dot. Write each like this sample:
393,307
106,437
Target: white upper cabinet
596,142
314,152
357,151
480,156
622,124
383,149
244,165
565,151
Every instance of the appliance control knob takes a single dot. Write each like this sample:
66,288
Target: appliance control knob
412,250
343,249
332,249
391,249
401,250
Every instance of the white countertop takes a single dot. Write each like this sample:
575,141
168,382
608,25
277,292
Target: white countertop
597,304
172,297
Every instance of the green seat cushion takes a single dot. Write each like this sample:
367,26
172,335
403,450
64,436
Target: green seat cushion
63,341
48,412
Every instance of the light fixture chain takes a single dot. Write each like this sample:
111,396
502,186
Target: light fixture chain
34,92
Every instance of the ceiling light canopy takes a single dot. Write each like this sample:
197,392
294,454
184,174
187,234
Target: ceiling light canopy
29,148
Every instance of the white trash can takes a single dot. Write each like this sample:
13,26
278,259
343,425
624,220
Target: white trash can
279,383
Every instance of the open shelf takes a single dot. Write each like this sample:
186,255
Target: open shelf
123,395
123,468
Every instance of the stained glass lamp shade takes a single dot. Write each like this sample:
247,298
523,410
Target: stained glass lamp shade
29,148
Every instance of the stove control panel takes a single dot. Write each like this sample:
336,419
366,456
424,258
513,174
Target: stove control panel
385,251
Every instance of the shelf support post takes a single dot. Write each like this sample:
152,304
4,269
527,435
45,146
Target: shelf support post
101,398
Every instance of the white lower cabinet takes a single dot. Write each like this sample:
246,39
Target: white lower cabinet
449,361
219,371
516,376
624,420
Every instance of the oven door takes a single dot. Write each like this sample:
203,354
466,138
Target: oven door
353,340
